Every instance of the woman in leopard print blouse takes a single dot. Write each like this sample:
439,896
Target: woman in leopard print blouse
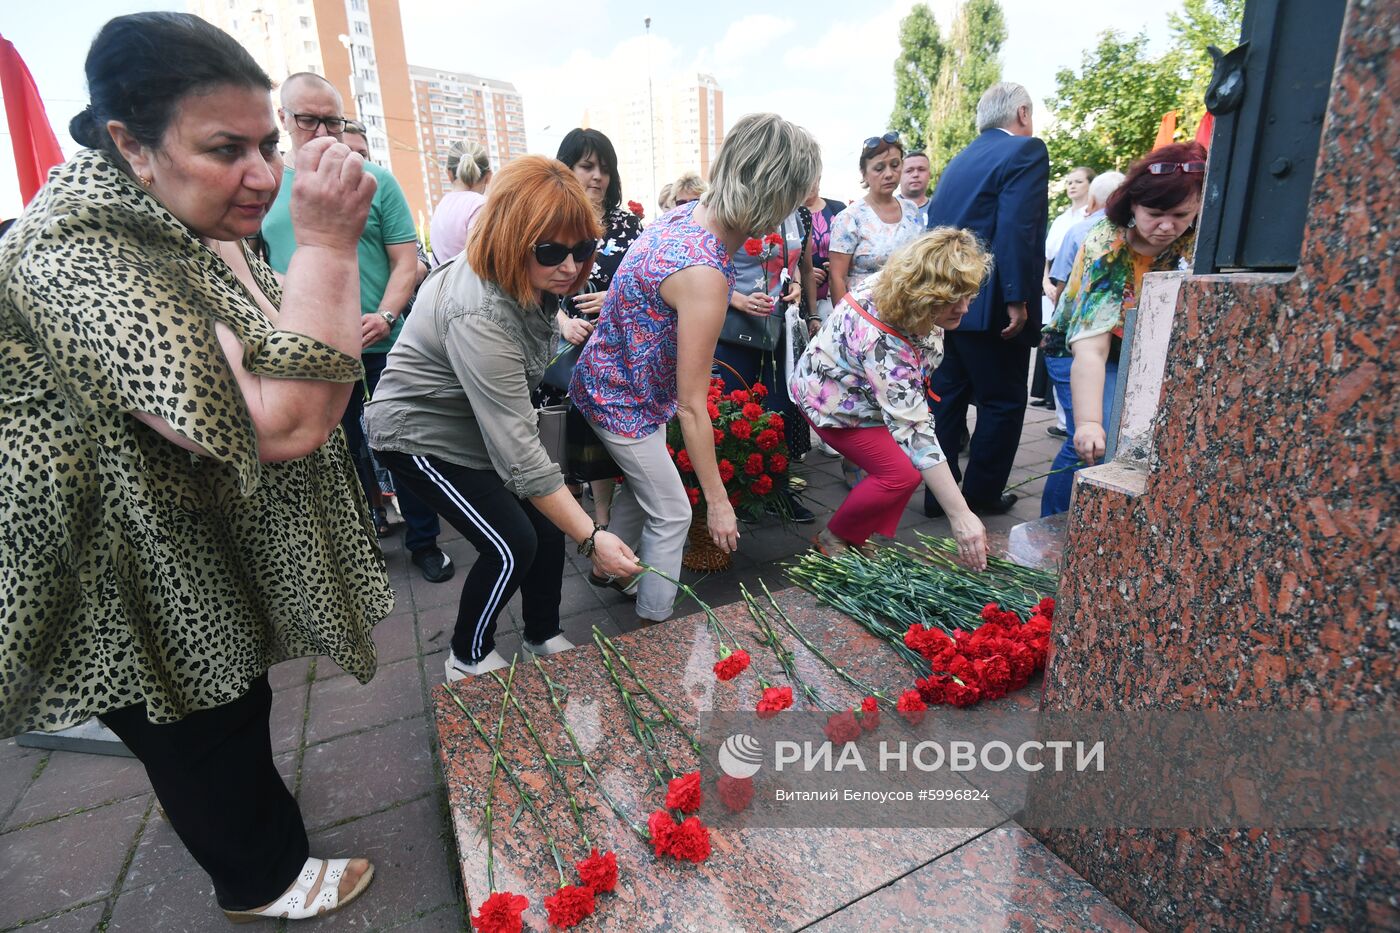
181,510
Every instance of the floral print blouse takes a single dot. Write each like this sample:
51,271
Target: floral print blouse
860,233
1104,283
625,379
620,229
854,375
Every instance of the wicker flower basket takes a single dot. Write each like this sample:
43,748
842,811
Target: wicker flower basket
701,553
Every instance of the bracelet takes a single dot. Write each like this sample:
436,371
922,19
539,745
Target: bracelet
388,317
587,545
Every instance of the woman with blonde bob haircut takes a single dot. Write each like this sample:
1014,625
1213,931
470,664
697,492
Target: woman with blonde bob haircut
453,417
651,354
862,385
687,188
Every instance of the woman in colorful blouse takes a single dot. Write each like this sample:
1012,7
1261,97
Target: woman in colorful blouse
650,358
1148,227
865,234
862,385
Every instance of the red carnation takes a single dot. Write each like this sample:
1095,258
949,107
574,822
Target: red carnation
715,393
768,439
661,827
759,390
773,239
994,676
777,463
762,486
500,913
636,208
739,396
683,793
842,727
1046,607
753,247
670,451
735,793
932,690
726,470
963,694
754,465
912,707
719,435
569,905
712,410
775,423
683,461
690,841
774,701
693,494
734,499
599,872
742,430
753,412
732,665
869,714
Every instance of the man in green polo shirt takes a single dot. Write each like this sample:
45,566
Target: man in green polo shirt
311,107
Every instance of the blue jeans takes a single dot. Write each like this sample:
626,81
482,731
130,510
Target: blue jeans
1055,498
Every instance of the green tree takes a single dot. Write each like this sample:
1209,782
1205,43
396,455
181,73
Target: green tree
971,64
915,71
1199,24
1107,114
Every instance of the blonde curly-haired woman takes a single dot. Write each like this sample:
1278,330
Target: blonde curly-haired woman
862,384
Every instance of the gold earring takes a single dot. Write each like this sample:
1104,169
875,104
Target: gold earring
145,181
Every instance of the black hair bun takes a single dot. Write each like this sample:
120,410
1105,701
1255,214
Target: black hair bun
84,129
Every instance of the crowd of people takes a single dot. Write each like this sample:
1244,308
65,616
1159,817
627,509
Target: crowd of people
191,315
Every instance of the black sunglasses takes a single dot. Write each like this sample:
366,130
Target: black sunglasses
1167,168
552,254
309,122
889,138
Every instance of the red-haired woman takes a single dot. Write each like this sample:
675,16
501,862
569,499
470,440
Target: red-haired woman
453,417
1149,226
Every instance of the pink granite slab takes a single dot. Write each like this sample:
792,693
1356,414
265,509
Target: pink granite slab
1002,880
755,879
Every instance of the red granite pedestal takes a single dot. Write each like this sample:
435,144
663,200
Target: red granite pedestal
1250,563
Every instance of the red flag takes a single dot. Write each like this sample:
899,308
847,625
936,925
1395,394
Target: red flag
1204,128
36,147
1166,131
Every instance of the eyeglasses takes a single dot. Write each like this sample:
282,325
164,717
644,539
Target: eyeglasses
352,127
553,254
889,138
309,122
1167,168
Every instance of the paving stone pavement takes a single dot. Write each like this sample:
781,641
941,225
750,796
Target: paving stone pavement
82,847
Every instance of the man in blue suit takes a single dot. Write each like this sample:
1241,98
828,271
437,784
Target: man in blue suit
998,187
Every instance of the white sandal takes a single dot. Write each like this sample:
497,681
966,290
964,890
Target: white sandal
294,905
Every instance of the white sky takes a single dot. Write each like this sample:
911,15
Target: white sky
825,65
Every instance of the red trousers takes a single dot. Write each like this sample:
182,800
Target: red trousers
878,500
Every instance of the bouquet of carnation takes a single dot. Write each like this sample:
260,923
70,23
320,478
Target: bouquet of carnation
750,445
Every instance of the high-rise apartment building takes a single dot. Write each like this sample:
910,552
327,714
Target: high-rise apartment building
451,106
358,46
659,135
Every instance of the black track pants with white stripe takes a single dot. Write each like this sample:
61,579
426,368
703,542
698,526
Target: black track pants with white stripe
518,548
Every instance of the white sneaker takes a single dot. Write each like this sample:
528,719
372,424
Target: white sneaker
457,670
549,646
